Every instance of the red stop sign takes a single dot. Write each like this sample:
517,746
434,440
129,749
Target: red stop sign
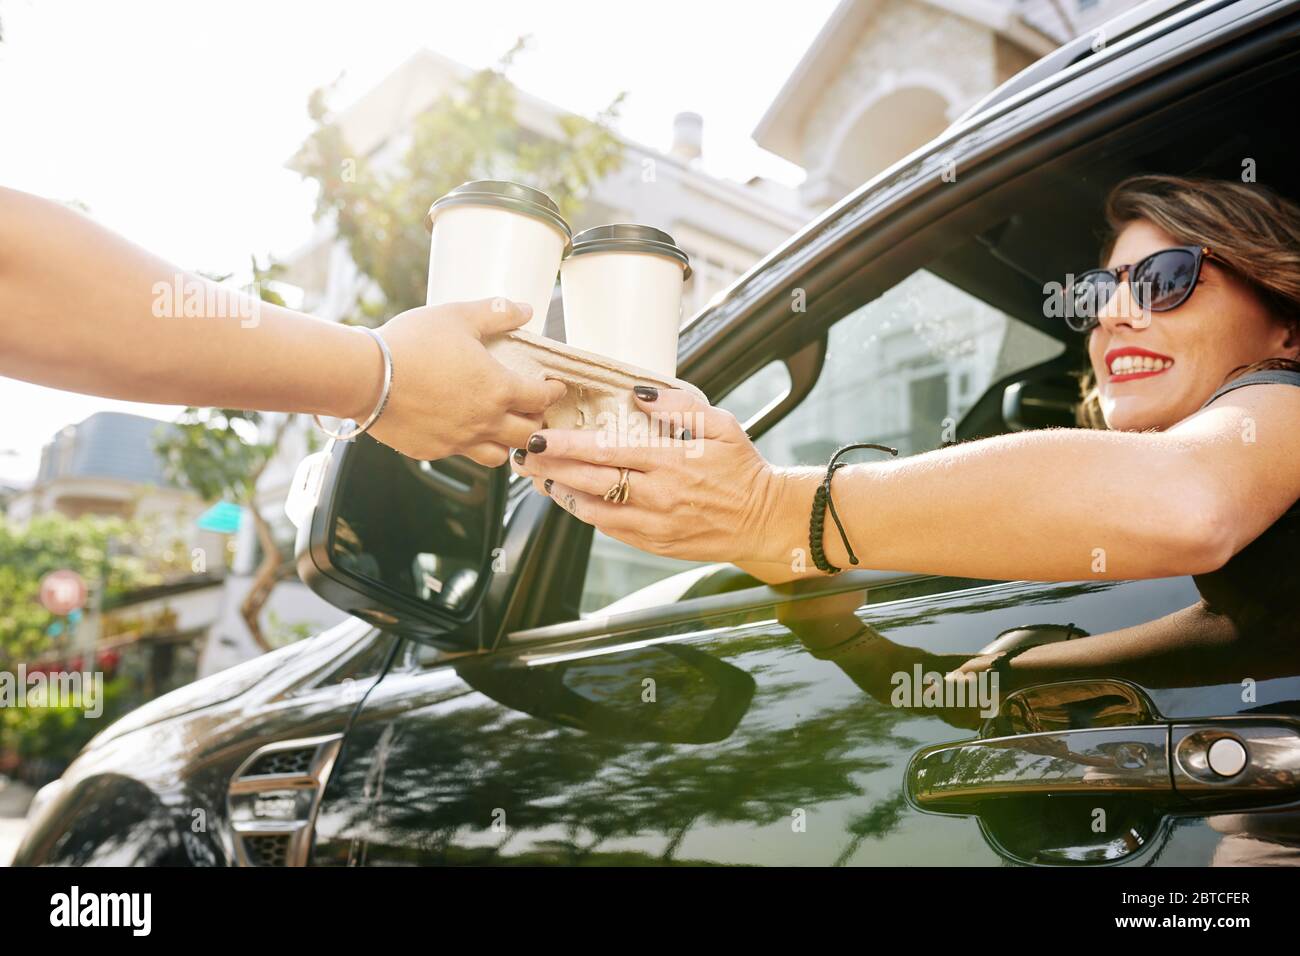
63,592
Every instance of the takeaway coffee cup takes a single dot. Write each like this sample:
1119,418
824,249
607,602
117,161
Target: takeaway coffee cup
492,238
622,287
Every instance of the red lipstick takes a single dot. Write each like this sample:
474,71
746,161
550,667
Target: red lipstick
1132,364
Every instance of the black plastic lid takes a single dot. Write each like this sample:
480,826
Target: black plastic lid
631,237
506,195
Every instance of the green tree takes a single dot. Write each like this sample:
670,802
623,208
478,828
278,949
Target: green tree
470,132
44,739
50,542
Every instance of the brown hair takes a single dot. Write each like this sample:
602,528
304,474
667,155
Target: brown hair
1253,231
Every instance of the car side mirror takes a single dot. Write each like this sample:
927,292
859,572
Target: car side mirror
406,545
661,693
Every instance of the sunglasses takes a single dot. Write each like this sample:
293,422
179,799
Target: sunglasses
1162,281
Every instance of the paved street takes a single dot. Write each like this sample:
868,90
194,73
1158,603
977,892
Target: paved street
14,798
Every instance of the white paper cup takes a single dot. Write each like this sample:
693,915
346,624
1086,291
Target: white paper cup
492,238
622,287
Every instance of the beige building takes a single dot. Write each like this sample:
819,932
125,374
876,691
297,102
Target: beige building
105,465
883,77
886,76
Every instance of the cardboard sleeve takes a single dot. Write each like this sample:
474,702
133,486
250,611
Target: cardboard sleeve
600,388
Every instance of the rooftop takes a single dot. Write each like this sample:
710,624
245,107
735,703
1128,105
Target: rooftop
105,445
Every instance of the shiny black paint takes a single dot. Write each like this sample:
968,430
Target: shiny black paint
155,793
438,771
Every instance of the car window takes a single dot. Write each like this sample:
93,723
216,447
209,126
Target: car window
748,400
901,370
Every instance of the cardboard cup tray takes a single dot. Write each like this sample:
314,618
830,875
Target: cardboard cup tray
600,388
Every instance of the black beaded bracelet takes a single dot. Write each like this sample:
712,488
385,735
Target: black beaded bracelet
1001,665
822,501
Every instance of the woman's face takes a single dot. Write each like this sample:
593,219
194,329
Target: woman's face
1178,358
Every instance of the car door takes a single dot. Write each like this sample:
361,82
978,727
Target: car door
701,719
528,754
635,710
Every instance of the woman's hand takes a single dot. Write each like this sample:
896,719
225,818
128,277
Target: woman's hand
698,488
449,396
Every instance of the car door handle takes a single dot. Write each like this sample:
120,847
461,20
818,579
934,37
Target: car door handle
952,778
1229,761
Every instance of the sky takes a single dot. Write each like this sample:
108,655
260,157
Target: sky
172,122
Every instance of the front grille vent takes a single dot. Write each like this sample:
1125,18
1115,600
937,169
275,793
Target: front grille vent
296,762
273,797
267,850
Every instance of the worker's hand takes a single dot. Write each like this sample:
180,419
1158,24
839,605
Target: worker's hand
449,396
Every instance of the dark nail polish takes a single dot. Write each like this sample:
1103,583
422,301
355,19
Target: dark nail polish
537,444
547,484
646,393
686,436
520,455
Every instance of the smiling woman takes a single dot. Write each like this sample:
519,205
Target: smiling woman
1243,264
1185,467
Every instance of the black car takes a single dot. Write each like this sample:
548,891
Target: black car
532,692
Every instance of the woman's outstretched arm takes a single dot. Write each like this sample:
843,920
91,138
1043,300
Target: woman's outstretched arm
83,309
1067,504
1061,504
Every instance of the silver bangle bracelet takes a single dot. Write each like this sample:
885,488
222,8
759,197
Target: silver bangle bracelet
383,397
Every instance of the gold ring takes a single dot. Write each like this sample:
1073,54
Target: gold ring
618,492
